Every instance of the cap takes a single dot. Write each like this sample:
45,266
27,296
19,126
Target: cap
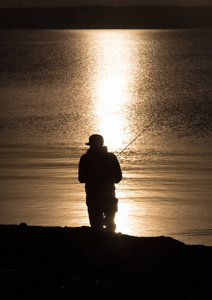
95,140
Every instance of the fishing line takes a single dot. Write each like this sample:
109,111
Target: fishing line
140,133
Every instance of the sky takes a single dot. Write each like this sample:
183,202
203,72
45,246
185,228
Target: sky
52,3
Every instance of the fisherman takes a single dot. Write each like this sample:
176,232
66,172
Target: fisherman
100,170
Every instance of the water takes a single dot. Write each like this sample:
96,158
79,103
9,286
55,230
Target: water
60,86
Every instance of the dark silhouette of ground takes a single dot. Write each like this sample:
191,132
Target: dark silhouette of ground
81,263
102,17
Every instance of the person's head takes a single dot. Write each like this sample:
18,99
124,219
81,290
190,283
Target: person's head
95,141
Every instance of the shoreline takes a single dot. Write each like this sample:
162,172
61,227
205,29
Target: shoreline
106,17
64,262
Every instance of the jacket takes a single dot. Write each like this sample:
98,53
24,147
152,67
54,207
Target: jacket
99,168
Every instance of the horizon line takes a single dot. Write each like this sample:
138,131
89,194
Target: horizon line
111,6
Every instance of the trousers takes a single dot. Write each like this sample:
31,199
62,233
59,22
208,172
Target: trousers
102,207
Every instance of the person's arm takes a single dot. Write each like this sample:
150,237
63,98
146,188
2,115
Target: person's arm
82,174
117,170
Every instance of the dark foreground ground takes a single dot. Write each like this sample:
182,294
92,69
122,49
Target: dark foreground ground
79,263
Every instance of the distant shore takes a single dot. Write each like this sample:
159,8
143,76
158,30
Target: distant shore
104,17
80,263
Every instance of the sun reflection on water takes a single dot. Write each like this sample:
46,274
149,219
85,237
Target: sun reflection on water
111,89
111,100
111,97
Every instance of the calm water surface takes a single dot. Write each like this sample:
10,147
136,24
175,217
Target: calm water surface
59,87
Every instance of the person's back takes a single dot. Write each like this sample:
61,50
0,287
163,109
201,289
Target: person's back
100,170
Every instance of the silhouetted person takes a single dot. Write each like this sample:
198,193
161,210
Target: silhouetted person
100,170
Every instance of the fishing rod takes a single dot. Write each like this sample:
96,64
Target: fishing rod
140,133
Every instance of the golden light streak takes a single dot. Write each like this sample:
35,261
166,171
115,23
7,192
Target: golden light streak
112,80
